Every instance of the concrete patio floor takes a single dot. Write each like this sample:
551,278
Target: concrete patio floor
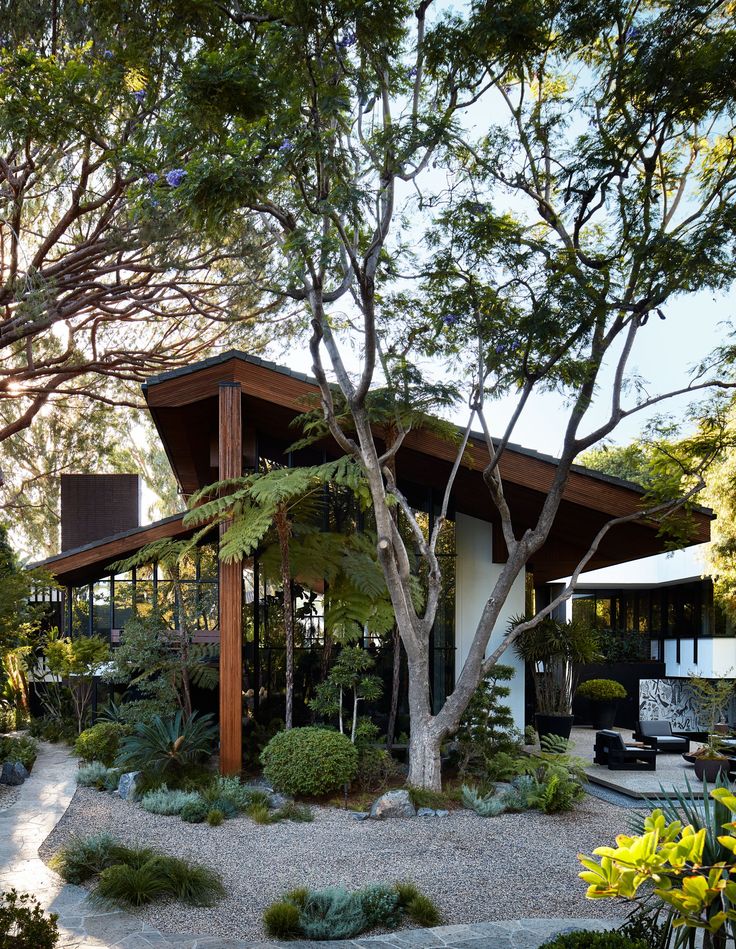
673,772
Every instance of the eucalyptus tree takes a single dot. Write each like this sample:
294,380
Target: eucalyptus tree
552,174
98,278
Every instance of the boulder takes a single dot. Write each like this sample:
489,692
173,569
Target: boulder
393,804
128,785
426,812
360,815
440,813
13,773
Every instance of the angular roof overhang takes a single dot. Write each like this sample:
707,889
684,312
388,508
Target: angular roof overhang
184,407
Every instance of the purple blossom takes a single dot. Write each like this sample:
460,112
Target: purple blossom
286,146
451,319
501,348
108,54
152,177
175,177
140,95
413,72
347,40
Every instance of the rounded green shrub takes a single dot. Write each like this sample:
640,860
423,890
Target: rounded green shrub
100,742
601,690
196,811
311,761
281,920
23,923
589,939
215,817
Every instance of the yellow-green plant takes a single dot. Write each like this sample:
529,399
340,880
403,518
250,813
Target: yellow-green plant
671,860
76,662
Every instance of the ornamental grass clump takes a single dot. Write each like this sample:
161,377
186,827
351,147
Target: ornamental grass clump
82,858
99,776
337,913
309,761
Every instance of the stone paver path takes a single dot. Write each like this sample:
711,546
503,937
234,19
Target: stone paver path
45,796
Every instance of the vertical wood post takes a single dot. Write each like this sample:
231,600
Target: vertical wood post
230,454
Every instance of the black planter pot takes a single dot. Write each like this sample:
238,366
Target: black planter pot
554,724
603,714
710,768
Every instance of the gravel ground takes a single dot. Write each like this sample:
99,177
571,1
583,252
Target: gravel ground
8,796
476,869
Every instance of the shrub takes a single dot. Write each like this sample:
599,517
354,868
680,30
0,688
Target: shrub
589,939
100,742
311,761
24,925
260,814
215,817
421,910
134,857
96,775
296,812
230,789
376,769
423,797
335,913
490,805
81,858
128,885
601,690
195,812
282,920
190,883
53,729
166,802
168,746
225,807
381,906
23,749
487,726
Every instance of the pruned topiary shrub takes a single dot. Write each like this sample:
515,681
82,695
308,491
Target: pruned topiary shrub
601,690
310,761
100,742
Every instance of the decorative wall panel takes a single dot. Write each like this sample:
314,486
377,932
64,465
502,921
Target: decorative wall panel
672,700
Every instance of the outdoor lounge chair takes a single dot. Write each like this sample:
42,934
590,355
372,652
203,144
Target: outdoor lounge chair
665,740
611,749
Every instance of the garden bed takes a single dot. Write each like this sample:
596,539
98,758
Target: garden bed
474,868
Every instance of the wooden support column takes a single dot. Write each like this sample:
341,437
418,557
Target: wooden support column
230,454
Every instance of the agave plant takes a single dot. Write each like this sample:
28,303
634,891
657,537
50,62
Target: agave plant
166,746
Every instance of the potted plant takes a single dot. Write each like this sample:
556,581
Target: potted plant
552,648
604,696
709,761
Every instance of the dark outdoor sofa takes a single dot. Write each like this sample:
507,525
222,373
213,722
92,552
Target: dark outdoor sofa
610,749
665,740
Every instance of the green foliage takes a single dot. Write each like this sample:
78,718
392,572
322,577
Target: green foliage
556,646
260,814
349,676
160,663
601,690
166,802
487,726
215,817
166,747
23,923
76,662
50,728
592,939
18,748
281,920
195,811
124,885
422,911
82,858
309,761
336,913
423,797
377,769
97,775
489,805
712,698
191,883
100,742
299,813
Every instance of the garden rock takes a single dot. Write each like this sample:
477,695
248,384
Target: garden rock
128,785
393,804
360,815
431,812
13,773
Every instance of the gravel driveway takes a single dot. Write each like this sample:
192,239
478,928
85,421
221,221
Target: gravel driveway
476,869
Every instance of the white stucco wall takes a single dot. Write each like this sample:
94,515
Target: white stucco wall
475,575
671,567
716,658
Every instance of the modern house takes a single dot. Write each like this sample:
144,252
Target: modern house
234,413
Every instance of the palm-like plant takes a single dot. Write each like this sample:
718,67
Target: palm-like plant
166,746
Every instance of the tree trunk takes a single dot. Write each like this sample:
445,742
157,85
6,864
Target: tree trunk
395,686
424,740
283,530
